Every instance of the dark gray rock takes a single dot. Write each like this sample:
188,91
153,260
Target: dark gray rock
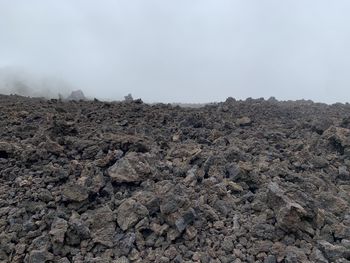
58,230
171,203
270,259
289,214
244,121
125,244
149,200
6,150
333,252
75,193
227,244
103,226
39,256
343,173
77,231
187,218
129,213
132,168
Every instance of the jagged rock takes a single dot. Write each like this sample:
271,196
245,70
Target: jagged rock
270,259
125,244
244,121
132,168
338,137
295,254
122,259
39,256
63,128
234,187
333,252
149,200
227,244
40,241
75,193
187,218
6,150
58,230
45,195
320,162
289,214
172,234
63,260
343,173
332,203
112,156
103,226
78,231
341,231
91,179
317,256
209,213
184,151
129,213
171,203
345,243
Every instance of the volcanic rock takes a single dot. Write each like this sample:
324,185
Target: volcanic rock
333,252
131,168
58,230
39,256
75,193
238,181
187,218
244,121
129,213
6,149
102,226
289,214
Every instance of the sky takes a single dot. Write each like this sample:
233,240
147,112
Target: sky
179,50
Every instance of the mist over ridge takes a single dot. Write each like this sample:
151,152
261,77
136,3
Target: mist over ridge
183,51
21,82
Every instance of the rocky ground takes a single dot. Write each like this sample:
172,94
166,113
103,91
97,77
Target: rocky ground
240,181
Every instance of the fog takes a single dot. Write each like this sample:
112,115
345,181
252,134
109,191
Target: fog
177,51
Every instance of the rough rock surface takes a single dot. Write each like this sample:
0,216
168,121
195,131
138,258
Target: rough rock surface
238,181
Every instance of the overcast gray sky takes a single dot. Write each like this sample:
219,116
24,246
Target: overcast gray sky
183,50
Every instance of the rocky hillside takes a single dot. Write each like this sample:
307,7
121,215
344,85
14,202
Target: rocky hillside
240,181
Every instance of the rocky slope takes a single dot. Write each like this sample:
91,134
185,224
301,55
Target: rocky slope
240,181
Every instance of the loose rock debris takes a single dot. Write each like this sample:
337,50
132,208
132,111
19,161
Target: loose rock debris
238,181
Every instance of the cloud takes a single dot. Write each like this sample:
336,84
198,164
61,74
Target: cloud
21,82
188,51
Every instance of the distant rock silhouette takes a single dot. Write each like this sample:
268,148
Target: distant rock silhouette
128,98
76,95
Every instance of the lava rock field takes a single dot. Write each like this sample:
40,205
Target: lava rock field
238,181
